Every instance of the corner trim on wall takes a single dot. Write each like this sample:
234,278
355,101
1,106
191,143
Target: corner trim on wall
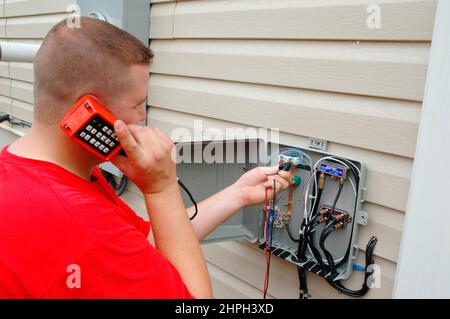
424,259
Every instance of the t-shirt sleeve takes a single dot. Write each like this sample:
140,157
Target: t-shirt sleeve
125,266
142,225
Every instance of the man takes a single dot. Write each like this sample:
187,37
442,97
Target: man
63,232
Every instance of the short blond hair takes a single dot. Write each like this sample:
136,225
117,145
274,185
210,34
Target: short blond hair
94,58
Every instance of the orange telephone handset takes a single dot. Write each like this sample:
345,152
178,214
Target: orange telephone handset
91,125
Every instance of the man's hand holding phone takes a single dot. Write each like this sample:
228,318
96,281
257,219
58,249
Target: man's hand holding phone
149,165
148,162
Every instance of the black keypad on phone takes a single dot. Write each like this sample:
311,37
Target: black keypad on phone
99,135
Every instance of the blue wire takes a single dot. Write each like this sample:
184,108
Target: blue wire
358,267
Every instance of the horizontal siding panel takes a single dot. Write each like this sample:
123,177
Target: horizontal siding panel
21,71
227,286
4,69
7,135
392,71
163,1
5,104
248,263
5,87
3,28
25,40
357,121
15,8
409,20
22,91
388,190
387,176
161,21
387,225
22,110
33,26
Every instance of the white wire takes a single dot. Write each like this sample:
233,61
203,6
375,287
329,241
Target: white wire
305,214
308,157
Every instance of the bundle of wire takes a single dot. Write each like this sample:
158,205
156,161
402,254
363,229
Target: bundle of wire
268,228
310,224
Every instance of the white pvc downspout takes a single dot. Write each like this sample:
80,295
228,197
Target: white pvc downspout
18,52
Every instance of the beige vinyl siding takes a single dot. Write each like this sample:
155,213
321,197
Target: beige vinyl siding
317,66
24,21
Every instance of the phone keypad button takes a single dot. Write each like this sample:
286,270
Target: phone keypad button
99,135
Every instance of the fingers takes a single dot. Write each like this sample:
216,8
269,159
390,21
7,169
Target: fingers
270,170
287,175
270,192
121,162
126,138
280,183
162,136
262,173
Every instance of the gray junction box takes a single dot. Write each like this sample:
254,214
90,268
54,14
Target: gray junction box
205,179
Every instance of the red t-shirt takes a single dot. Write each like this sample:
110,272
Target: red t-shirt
65,237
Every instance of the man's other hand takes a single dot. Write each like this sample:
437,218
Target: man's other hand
252,186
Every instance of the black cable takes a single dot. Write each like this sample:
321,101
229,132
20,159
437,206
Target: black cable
190,197
20,122
304,237
290,234
303,284
356,176
119,189
328,230
7,117
4,117
310,228
369,252
110,179
347,253
122,185
365,288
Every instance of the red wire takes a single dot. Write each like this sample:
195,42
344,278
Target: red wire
266,210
